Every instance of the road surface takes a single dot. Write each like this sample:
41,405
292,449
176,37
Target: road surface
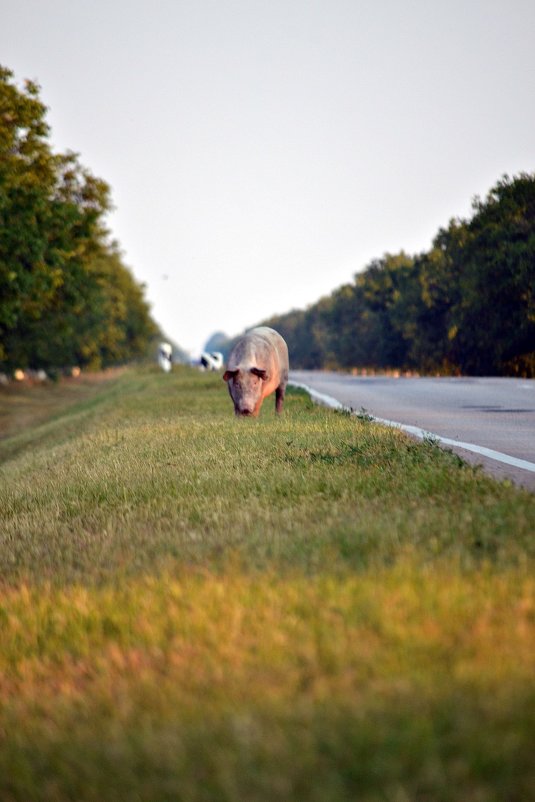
488,413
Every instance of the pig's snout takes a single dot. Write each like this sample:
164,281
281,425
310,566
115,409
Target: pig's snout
244,412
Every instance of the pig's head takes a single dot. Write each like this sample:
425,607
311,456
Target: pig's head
245,386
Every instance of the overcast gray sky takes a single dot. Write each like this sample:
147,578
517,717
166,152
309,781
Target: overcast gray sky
261,152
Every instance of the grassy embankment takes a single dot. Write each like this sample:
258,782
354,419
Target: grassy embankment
199,608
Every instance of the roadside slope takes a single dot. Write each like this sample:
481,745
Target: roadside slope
305,608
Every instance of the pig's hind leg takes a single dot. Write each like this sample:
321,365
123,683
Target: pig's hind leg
279,399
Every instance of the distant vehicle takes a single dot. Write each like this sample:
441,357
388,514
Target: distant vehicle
165,357
212,360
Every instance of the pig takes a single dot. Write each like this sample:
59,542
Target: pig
257,366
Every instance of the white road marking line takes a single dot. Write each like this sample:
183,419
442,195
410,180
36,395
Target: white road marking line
333,403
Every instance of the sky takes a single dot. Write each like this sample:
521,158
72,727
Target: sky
260,153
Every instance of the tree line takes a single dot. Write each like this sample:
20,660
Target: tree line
467,306
66,297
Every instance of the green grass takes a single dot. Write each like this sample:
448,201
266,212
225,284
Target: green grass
312,607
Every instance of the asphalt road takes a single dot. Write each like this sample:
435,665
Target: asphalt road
489,413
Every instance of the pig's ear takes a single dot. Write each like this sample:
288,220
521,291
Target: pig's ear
260,373
229,374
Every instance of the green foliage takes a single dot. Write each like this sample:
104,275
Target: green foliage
468,305
494,318
66,298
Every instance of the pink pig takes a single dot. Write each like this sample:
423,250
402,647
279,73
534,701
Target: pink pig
257,366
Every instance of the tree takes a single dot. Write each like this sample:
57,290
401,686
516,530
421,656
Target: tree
382,286
27,181
65,297
494,314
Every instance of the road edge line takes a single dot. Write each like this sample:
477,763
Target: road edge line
498,456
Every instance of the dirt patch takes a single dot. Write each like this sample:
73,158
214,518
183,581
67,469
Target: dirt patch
28,402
